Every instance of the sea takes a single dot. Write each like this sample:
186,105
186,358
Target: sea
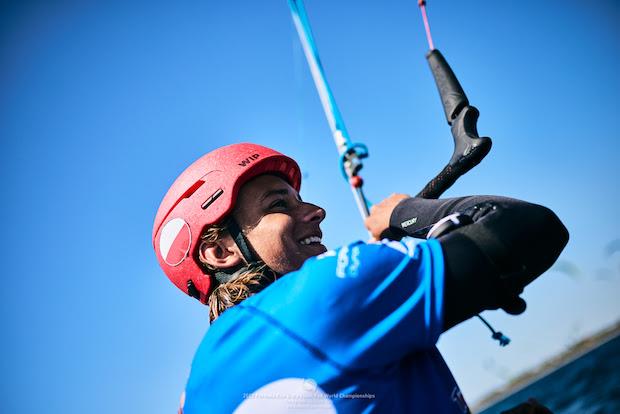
587,385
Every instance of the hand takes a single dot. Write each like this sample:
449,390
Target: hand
379,219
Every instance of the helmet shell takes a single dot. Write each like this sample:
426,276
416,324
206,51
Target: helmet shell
203,195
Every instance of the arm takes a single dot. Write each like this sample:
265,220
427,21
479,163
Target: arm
489,262
363,305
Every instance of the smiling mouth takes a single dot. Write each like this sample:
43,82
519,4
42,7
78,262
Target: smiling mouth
310,240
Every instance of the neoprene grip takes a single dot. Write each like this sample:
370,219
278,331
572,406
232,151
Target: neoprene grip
453,97
469,150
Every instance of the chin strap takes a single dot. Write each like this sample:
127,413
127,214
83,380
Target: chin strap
269,276
250,257
241,242
251,260
226,275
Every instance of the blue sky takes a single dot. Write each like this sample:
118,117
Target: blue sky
103,105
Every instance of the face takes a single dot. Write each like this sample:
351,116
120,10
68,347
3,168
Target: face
283,230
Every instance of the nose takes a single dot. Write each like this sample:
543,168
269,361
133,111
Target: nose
313,213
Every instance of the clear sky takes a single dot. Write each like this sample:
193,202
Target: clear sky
103,104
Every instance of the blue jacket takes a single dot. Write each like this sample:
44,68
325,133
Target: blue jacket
352,331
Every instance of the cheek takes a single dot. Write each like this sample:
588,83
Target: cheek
273,241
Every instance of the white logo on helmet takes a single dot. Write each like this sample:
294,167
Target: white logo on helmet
175,241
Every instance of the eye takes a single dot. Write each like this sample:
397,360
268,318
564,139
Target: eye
279,204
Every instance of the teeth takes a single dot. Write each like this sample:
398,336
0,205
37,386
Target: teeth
310,240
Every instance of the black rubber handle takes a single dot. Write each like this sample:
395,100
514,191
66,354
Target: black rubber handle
452,95
469,148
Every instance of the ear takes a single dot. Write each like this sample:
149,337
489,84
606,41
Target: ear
222,254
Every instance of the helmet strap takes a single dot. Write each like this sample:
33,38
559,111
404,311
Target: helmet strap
244,245
226,275
251,258
231,274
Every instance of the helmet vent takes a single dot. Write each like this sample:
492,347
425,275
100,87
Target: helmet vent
191,190
212,198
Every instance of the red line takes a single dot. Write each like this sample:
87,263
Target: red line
422,5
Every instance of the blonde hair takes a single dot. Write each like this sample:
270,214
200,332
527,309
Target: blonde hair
249,282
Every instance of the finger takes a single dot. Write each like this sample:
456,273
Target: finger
369,222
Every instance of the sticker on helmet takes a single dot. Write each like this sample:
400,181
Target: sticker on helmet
175,241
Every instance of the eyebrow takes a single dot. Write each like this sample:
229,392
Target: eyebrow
282,192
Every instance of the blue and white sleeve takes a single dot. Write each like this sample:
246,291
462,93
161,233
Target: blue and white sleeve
365,305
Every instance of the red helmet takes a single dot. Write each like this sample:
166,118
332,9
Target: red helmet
203,195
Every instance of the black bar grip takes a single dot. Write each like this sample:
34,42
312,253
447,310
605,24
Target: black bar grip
440,183
452,95
469,150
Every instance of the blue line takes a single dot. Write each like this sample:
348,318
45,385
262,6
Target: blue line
305,35
388,280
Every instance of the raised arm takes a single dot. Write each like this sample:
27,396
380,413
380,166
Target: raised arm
506,245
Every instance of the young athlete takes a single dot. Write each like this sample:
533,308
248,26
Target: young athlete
351,330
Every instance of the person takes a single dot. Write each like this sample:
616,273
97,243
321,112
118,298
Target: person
350,330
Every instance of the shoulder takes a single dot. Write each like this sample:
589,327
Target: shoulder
343,269
351,259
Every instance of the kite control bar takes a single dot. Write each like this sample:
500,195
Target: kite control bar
469,148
